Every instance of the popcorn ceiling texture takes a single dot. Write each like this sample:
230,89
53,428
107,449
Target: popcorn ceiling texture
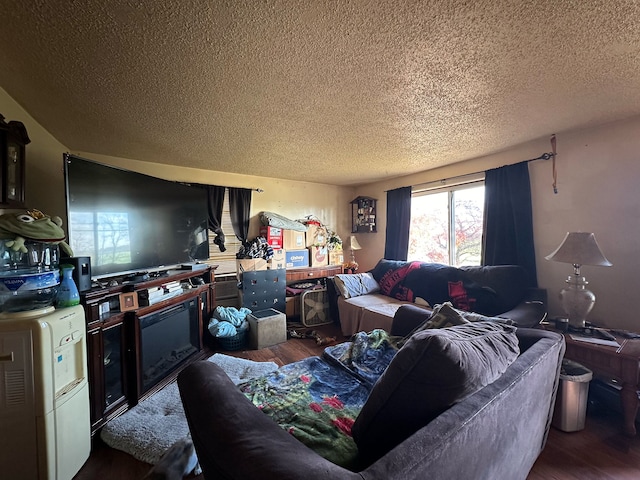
354,91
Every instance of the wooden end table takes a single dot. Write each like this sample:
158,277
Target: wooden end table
621,364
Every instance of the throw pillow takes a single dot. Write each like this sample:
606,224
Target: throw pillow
356,284
434,370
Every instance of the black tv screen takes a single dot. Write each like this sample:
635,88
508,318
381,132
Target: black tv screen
128,222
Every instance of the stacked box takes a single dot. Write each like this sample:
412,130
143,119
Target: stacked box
294,240
318,256
266,328
278,260
296,258
316,235
336,257
273,236
250,265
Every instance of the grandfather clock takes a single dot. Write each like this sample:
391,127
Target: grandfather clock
13,138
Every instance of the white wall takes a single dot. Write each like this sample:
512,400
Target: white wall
598,172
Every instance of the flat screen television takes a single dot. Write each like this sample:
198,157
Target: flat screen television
128,222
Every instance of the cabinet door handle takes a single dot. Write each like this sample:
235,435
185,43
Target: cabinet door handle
8,357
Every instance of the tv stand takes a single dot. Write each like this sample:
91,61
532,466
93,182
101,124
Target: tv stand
114,339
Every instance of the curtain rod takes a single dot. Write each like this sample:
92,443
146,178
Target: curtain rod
258,190
544,156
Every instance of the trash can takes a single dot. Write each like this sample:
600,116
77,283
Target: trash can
571,401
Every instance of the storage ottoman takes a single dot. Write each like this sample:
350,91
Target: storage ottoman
266,328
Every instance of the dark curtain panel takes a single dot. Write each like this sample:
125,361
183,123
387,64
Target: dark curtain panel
215,199
240,209
398,221
508,223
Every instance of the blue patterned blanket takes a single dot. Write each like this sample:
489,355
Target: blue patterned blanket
318,399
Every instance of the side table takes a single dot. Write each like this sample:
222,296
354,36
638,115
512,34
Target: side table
621,364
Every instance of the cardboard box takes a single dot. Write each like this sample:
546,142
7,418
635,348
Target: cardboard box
318,256
294,240
273,236
249,265
316,235
293,307
296,258
266,328
336,257
278,260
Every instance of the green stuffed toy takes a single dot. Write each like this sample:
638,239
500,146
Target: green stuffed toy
32,225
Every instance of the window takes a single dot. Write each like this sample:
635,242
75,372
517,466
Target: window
104,234
226,261
447,222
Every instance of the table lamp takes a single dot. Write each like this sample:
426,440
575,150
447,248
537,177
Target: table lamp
578,248
354,245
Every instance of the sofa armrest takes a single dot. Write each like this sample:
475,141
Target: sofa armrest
234,439
407,318
531,310
333,294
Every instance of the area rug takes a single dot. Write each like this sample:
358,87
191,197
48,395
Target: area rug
151,427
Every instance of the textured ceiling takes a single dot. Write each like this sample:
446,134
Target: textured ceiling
332,91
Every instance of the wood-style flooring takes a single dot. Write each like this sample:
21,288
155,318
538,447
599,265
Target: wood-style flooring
600,451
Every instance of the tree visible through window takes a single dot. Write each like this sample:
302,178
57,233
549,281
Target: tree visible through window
447,225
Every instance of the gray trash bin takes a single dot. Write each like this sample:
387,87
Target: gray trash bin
571,401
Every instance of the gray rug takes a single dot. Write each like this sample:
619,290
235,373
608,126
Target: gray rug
151,427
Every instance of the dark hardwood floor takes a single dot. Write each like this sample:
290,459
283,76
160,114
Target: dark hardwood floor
600,451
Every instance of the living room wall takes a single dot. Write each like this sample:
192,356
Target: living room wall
598,172
293,199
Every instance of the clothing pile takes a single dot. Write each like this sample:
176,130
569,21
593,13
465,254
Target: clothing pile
228,322
256,248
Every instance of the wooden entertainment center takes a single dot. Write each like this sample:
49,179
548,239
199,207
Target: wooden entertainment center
118,364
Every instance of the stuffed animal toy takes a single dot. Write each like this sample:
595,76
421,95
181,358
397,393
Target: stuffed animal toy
32,225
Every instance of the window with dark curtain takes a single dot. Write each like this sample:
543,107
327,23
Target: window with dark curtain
398,222
508,224
215,200
240,210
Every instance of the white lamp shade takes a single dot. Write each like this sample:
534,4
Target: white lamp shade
579,248
353,243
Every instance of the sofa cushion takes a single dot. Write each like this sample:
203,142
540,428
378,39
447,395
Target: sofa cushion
434,370
354,285
507,284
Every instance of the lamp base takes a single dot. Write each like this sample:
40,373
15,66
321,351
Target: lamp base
577,301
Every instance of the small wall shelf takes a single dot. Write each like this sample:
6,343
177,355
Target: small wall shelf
363,215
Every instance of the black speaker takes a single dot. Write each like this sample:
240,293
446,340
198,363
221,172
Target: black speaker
81,271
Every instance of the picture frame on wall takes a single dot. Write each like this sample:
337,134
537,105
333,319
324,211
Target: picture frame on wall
128,301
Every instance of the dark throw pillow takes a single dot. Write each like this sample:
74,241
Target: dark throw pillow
434,370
